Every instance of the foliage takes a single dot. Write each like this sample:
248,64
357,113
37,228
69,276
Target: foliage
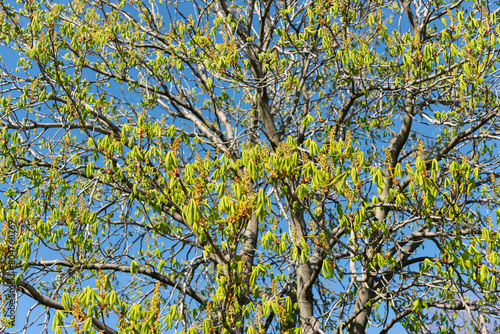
252,166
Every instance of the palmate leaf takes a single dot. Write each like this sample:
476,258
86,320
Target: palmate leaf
234,167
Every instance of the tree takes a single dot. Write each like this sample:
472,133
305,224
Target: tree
251,166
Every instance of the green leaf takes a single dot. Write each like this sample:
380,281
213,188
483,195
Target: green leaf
307,120
134,267
206,326
66,301
484,274
87,324
253,276
58,319
398,171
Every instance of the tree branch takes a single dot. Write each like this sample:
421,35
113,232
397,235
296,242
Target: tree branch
30,291
126,269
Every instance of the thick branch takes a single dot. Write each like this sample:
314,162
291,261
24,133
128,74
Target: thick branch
126,269
30,291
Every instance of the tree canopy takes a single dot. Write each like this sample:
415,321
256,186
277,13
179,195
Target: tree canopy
255,166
